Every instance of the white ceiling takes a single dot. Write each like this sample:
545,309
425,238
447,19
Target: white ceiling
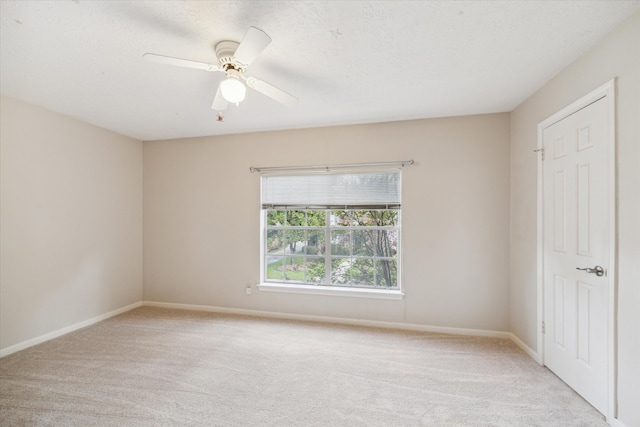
347,61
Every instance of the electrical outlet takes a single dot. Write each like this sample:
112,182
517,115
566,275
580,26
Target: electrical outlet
248,290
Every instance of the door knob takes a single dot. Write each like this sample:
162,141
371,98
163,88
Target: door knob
597,270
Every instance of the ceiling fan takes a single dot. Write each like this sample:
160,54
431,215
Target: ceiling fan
233,59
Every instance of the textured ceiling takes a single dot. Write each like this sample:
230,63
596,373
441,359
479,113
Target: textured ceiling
347,61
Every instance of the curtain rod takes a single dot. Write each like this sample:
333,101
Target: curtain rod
401,163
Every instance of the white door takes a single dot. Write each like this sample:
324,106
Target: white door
576,235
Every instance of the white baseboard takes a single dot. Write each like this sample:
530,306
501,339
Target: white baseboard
338,320
517,341
55,334
616,423
277,315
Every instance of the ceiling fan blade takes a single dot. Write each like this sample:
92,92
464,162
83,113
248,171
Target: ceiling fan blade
272,91
219,103
168,60
253,43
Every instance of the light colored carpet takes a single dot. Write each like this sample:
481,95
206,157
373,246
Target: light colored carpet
156,367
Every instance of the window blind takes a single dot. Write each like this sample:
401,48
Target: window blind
366,190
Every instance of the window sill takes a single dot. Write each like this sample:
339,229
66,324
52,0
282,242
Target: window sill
332,290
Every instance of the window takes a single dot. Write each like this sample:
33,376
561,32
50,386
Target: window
339,230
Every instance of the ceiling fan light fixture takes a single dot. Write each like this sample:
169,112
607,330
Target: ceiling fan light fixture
232,89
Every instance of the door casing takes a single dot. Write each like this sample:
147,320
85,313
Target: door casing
607,91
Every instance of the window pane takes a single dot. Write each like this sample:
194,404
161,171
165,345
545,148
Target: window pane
387,273
315,242
293,268
375,218
275,242
362,272
274,268
341,218
340,271
315,270
386,218
364,241
361,253
364,218
387,243
275,218
296,218
316,218
340,242
294,240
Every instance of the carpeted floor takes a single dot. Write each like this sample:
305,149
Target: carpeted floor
160,367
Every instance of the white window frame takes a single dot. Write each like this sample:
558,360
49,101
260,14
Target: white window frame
335,290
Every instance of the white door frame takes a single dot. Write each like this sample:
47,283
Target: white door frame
606,90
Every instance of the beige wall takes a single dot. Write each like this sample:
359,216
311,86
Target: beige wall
201,218
70,221
616,56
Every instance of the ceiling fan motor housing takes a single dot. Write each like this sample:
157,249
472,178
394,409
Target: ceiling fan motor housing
224,52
